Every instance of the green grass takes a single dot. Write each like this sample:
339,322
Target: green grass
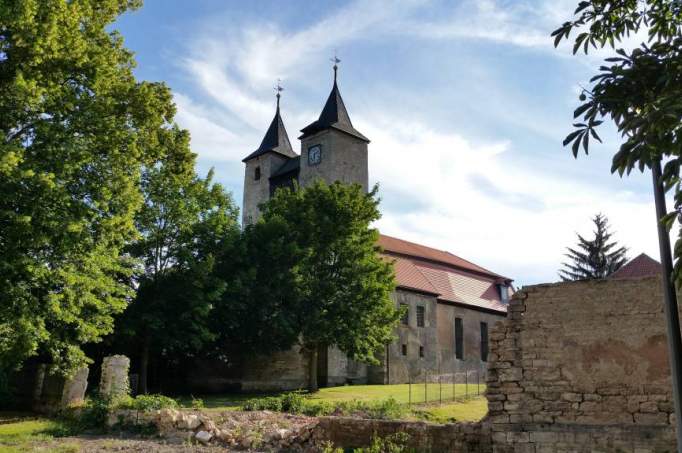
468,403
20,436
465,411
402,393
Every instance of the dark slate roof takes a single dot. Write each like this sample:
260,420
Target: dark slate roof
276,140
642,266
335,116
289,166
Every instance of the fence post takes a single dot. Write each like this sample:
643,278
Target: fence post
426,399
440,390
478,383
409,389
454,381
466,384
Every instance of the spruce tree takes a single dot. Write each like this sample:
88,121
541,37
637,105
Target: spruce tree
596,258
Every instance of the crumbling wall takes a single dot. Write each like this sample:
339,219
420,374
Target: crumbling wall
580,366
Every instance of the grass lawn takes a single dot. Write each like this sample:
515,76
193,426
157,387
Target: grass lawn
471,410
468,405
20,436
402,393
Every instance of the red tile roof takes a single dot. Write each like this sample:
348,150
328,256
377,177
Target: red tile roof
397,246
642,266
443,274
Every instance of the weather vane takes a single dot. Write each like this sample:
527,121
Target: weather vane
336,62
278,89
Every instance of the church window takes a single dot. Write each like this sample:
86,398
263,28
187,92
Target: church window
459,339
420,316
404,349
484,341
405,318
256,174
421,351
504,294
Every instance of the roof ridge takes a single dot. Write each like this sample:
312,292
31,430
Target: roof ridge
479,268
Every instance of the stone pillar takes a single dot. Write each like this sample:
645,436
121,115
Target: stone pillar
38,384
73,393
114,380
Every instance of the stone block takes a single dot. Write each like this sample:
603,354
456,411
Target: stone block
658,418
73,393
510,374
544,436
648,407
572,397
114,379
518,437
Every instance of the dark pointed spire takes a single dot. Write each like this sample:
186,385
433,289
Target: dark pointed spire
276,138
334,114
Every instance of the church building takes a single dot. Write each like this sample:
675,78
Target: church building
451,303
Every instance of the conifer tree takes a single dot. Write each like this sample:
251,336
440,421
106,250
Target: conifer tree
596,258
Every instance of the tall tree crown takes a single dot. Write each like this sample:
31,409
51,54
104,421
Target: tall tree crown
595,258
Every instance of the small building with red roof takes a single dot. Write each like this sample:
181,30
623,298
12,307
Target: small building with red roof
641,266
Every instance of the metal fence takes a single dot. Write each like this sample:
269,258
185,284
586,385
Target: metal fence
444,388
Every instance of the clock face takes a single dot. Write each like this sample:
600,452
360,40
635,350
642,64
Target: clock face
314,155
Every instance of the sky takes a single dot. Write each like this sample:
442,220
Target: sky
466,104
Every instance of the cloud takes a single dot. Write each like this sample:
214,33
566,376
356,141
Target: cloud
471,201
440,186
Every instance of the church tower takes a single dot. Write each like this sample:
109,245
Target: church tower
274,151
331,148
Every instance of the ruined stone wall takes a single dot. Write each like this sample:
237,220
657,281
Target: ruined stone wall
581,366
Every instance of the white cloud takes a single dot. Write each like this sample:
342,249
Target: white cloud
442,190
439,187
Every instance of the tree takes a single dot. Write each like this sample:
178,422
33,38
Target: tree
75,129
640,90
184,224
332,286
596,258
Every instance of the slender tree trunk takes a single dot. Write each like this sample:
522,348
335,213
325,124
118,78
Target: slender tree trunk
312,369
144,365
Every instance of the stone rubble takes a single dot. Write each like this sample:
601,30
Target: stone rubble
260,430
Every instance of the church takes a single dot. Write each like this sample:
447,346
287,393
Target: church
451,303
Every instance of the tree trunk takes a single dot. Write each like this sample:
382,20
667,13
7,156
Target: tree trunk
312,369
144,365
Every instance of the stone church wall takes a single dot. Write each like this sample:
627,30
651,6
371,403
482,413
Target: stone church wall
257,191
472,362
403,368
582,366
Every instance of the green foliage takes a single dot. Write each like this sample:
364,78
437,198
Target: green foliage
197,403
639,90
395,443
75,130
315,274
147,403
185,222
299,403
596,258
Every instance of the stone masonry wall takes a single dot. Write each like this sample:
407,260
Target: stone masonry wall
582,366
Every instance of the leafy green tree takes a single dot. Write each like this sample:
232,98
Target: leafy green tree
75,129
331,287
640,90
595,258
184,224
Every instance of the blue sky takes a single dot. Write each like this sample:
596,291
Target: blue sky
466,103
